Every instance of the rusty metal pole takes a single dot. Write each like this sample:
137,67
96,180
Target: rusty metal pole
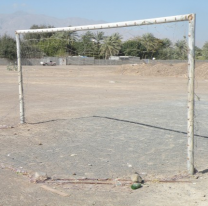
191,79
20,80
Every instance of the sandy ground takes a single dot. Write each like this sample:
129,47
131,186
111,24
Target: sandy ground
70,112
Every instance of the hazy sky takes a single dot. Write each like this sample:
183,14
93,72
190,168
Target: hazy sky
115,10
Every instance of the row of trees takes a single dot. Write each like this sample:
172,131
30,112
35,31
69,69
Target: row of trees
97,45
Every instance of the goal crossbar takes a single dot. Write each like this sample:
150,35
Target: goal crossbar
191,18
112,25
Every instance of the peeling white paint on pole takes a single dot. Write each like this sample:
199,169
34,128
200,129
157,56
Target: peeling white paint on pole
191,80
111,25
20,81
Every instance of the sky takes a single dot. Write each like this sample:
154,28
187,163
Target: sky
115,10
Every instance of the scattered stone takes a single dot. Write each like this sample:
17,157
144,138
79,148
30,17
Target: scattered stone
117,183
136,178
72,155
39,177
2,166
89,164
129,165
74,173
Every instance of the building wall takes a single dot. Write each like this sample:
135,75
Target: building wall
4,61
92,61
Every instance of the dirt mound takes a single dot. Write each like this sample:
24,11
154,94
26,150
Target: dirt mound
158,69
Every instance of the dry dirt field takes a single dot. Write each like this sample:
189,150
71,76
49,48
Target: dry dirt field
90,127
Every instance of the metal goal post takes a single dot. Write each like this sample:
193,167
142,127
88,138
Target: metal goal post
191,18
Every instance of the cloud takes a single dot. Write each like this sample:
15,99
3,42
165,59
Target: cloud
19,6
15,6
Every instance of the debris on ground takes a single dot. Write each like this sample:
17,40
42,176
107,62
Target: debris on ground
38,177
136,178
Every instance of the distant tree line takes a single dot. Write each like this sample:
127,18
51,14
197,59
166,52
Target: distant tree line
96,45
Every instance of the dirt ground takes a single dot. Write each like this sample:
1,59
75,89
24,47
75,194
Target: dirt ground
168,70
102,122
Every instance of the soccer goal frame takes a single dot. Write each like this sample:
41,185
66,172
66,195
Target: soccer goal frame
191,18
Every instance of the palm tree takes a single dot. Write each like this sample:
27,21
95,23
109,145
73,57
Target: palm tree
205,50
151,44
97,39
111,46
166,43
86,45
66,40
166,51
181,49
69,36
